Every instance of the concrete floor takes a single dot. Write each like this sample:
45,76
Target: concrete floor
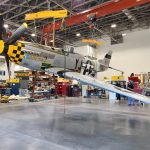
95,126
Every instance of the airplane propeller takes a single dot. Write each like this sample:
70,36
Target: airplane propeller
6,42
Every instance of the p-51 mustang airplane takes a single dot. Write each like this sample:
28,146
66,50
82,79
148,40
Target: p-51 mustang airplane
51,60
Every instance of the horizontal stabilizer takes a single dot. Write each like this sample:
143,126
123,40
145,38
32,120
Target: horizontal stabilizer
104,63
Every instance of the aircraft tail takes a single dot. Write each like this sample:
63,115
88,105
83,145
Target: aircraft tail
104,63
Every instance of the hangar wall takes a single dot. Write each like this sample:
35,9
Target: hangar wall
131,56
86,51
3,70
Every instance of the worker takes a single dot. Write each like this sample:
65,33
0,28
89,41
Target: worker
88,91
130,87
118,95
132,75
75,90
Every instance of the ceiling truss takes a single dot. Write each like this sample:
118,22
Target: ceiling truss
14,13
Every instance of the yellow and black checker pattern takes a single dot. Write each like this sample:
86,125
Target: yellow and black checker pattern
15,53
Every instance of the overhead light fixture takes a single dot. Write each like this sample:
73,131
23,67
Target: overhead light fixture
51,41
5,25
113,26
124,34
33,35
78,34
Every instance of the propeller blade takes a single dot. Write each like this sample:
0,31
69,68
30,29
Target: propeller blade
17,34
8,66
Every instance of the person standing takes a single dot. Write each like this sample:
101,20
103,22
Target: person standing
130,87
118,95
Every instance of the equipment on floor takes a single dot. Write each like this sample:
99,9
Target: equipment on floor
14,85
4,99
62,87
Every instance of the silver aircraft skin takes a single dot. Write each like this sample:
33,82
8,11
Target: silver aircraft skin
39,57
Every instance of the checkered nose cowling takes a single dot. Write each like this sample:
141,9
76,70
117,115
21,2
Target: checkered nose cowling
15,53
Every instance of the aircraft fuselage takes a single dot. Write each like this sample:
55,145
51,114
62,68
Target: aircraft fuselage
38,59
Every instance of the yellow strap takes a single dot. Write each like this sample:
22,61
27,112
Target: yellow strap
19,44
47,14
25,24
1,46
10,50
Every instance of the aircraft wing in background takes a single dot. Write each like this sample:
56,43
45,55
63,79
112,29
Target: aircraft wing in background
100,84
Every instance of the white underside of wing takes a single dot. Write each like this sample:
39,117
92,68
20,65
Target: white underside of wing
107,86
100,84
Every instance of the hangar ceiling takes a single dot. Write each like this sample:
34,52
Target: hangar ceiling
129,19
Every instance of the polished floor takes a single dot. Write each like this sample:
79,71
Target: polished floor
83,126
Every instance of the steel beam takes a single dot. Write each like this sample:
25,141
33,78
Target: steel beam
3,2
13,8
100,11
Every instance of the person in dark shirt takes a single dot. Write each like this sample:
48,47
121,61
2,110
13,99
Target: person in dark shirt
118,95
130,87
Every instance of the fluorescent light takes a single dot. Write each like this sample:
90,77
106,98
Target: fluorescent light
78,34
33,34
124,34
51,41
113,26
5,25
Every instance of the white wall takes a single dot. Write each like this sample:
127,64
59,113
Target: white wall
3,67
131,56
13,67
86,51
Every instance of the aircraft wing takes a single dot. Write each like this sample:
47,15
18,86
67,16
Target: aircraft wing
100,84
